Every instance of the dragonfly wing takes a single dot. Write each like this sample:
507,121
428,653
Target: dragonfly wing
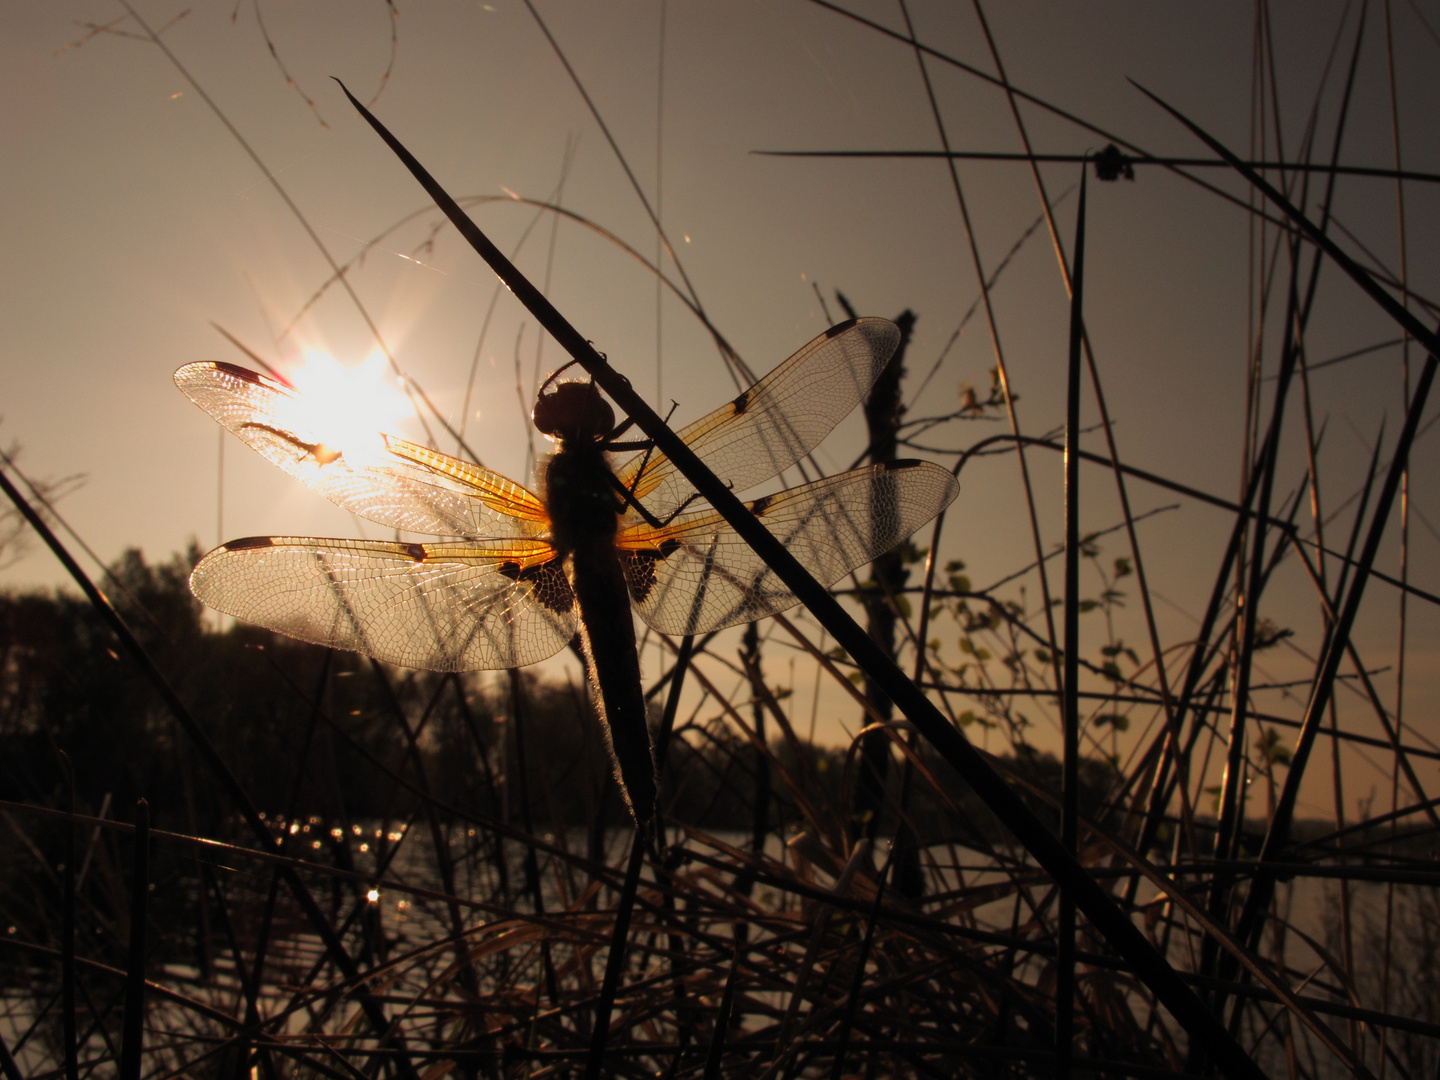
390,481
777,421
696,574
443,607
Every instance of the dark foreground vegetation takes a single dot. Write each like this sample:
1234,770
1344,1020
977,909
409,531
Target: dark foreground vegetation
456,838
465,800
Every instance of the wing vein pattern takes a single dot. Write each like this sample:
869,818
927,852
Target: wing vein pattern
696,574
444,607
777,421
394,483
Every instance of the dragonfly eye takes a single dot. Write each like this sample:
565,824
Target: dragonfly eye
573,410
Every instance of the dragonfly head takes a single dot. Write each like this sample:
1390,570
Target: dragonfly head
573,410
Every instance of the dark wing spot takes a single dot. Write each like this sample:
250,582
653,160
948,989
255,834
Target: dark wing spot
741,403
416,552
840,328
759,506
639,568
547,581
248,543
551,587
237,372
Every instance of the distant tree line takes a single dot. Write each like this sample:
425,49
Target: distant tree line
319,734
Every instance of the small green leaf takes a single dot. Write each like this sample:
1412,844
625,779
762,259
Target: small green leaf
1271,748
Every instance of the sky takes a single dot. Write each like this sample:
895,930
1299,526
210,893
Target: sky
135,217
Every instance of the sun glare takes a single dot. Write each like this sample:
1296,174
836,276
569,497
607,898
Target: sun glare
345,409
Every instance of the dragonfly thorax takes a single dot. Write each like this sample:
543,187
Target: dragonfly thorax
579,491
573,411
581,497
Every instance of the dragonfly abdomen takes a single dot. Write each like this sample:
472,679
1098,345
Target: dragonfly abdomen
608,630
584,512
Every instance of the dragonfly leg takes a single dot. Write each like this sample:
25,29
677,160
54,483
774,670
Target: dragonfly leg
681,508
615,433
628,494
648,446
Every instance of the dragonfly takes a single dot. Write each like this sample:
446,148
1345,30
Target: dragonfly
520,573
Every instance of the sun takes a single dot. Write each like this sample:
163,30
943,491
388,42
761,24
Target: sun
345,409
